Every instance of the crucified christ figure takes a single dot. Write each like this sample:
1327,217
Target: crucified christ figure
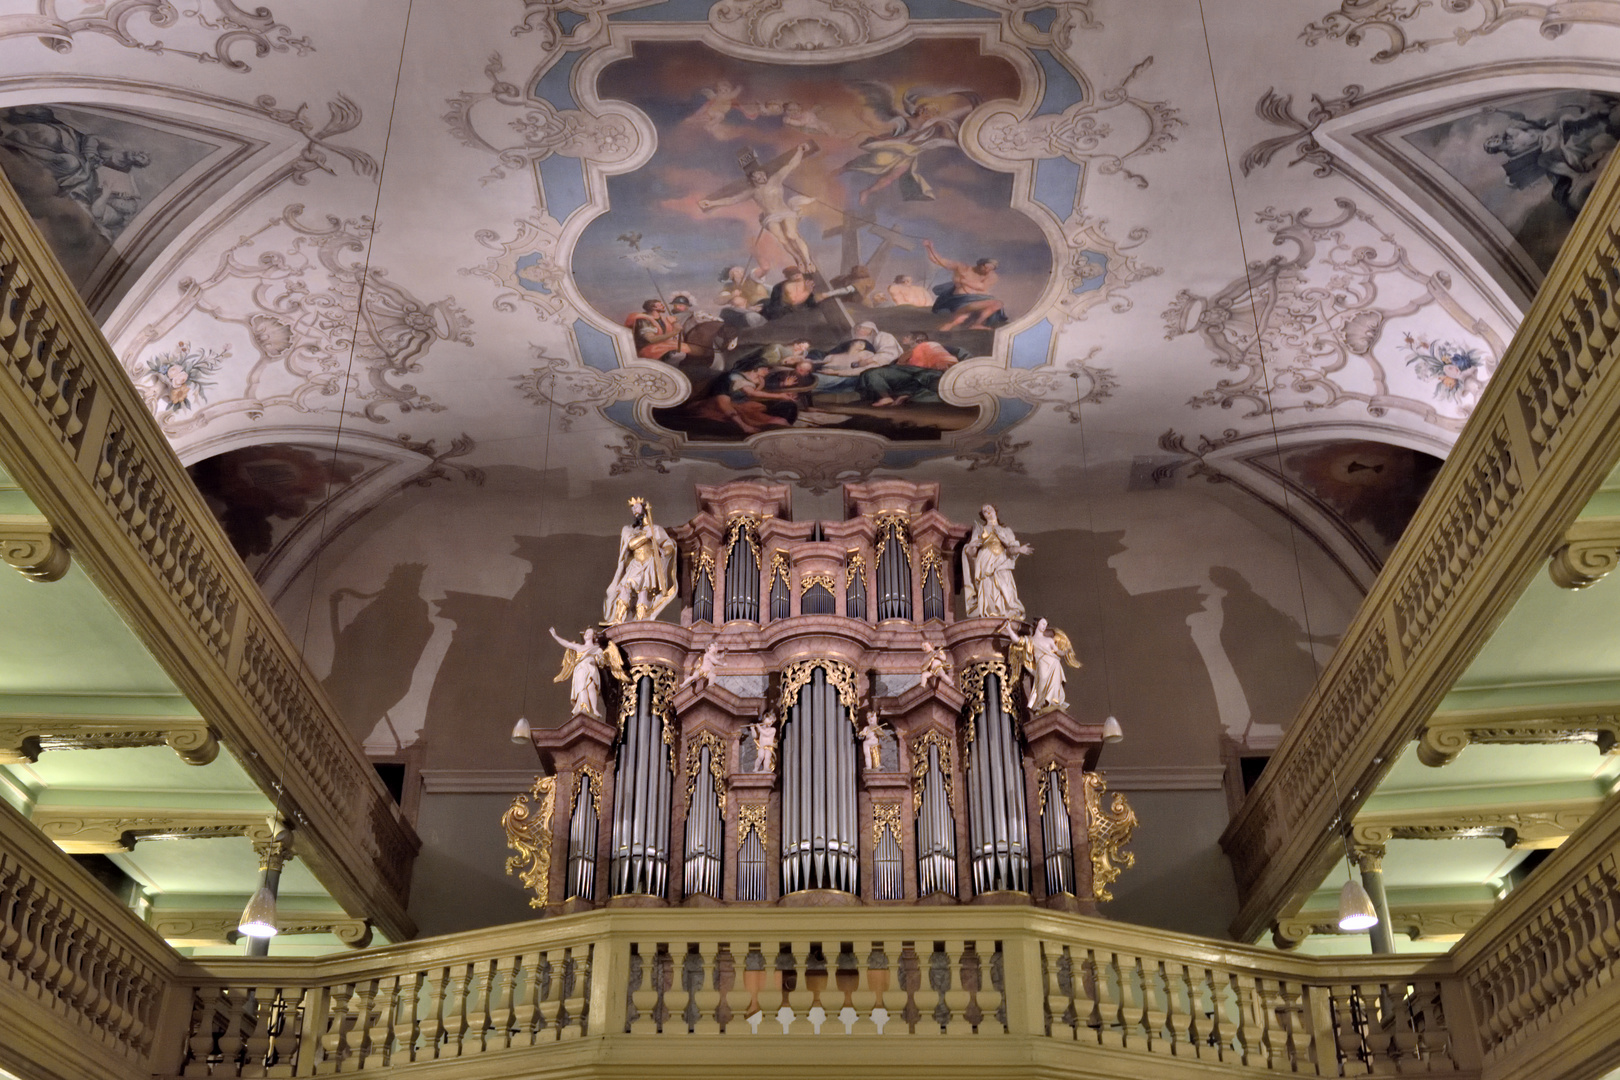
778,211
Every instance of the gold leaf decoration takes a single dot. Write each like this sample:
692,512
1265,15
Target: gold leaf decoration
1109,831
528,832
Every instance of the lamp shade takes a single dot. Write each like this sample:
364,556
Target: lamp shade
1356,907
259,917
1112,732
520,731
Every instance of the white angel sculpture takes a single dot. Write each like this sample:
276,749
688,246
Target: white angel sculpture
1039,656
644,577
583,664
871,737
703,670
988,559
764,733
936,664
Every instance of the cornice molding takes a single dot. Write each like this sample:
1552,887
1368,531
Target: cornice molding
1534,825
184,926
30,547
80,830
1448,734
1417,921
1591,549
22,740
1539,443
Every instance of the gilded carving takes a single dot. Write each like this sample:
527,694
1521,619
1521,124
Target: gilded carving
528,832
1109,830
797,675
704,568
919,768
971,683
855,567
664,684
717,765
753,818
589,781
779,567
885,815
809,581
1053,777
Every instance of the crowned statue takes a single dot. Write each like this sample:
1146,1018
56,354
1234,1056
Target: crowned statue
644,577
987,561
1038,657
583,664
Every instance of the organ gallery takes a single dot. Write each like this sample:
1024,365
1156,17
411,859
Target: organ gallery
818,728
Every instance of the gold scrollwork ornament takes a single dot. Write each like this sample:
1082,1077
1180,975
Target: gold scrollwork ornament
1109,832
752,817
919,768
885,815
797,675
717,765
528,832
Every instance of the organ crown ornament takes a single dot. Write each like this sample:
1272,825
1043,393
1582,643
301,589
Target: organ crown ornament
866,651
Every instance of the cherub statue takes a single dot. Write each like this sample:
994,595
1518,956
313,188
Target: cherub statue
703,670
583,663
644,577
936,664
764,732
1039,656
987,562
871,737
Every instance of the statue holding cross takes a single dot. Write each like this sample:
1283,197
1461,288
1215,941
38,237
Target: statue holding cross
766,185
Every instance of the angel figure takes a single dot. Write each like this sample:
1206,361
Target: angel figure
871,737
703,670
645,573
909,125
1039,656
583,664
988,559
936,664
764,732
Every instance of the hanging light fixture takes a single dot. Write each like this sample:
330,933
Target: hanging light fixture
1356,907
1112,732
259,917
520,732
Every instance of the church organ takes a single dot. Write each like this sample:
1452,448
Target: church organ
847,739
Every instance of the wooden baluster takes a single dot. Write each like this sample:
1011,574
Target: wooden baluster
365,993
455,1010
1317,1019
992,996
475,1017
378,1031
750,981
576,984
282,1026
796,993
643,989
910,976
259,1017
1248,1031
335,1040
706,994
677,994
200,1045
432,1027
1217,1044
956,995
549,995
232,1039
1058,1002
502,1006
868,997
814,979
525,999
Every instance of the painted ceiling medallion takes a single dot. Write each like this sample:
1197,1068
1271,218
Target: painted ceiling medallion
779,240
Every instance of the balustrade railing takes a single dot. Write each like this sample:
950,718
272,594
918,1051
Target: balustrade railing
77,437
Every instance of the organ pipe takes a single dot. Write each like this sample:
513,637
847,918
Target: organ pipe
641,798
1057,834
998,818
742,572
705,833
582,828
894,570
819,844
936,825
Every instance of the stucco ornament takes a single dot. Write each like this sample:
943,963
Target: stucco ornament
807,26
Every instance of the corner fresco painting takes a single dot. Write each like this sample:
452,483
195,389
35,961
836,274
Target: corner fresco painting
1527,161
87,175
810,245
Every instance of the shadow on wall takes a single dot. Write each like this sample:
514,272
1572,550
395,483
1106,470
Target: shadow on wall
374,655
1158,684
1269,650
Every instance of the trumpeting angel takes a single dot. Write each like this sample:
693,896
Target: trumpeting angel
1039,657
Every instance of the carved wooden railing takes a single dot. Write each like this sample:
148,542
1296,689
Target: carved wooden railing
1539,443
1008,987
81,978
78,439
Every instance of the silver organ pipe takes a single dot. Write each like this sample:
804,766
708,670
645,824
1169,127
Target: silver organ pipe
641,797
936,832
705,836
999,818
742,573
819,842
751,867
582,827
1057,834
888,875
894,572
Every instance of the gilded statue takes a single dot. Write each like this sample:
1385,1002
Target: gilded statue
583,664
1038,658
987,561
871,737
644,577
